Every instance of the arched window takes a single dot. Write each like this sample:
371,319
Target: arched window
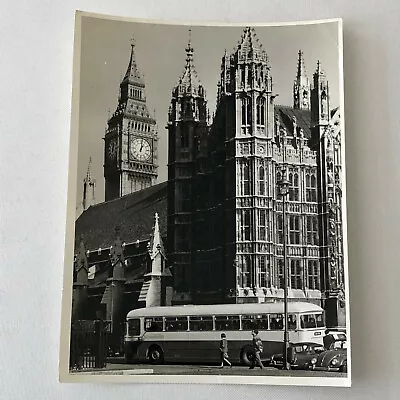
246,225
246,111
294,229
296,276
262,223
311,188
249,77
246,179
294,187
261,111
313,275
243,76
312,230
261,177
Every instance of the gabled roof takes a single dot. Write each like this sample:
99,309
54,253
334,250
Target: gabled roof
303,119
133,214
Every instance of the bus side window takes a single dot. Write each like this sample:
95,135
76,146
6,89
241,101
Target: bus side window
174,324
292,322
227,323
200,323
276,322
250,322
154,324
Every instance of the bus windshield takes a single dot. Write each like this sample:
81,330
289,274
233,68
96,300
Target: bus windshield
134,327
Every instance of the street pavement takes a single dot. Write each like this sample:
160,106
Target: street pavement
117,367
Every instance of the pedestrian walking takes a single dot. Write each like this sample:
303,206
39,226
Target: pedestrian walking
257,350
223,350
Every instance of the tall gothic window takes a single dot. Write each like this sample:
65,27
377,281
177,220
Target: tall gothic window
262,222
281,279
294,229
246,225
249,76
246,111
312,230
296,278
294,187
262,272
311,188
246,179
261,111
279,226
243,76
313,275
246,268
261,177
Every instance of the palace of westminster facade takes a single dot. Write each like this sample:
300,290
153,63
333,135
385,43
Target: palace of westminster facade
224,240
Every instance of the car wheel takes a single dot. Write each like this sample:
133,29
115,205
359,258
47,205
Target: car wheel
343,368
156,355
247,355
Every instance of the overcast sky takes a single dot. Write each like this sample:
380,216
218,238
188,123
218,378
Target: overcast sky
160,55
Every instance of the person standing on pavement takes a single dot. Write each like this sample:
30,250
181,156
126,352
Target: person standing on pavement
257,350
223,350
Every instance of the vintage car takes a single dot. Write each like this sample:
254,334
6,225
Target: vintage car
334,358
300,355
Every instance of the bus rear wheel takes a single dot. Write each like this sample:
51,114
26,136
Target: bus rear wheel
156,355
247,355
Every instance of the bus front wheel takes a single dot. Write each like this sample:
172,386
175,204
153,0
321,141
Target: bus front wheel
156,355
247,355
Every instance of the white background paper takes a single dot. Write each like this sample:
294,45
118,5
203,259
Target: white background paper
36,42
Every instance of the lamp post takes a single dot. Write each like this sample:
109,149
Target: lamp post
283,186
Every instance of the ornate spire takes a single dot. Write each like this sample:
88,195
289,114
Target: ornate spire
189,83
301,87
133,74
156,244
88,173
89,185
249,48
301,69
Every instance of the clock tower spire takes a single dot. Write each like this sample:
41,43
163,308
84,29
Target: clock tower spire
130,152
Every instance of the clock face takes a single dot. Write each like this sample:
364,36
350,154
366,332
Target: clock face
112,149
141,149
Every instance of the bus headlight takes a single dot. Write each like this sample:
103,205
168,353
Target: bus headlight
335,361
313,361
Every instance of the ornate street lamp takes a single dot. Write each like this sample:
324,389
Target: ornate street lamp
283,186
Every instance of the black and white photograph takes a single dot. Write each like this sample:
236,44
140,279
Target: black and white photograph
206,231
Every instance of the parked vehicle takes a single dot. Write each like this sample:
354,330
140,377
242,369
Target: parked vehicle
300,355
192,333
334,358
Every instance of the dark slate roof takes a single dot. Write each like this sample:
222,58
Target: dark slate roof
303,119
133,214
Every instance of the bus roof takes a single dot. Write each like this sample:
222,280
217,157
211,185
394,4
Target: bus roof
224,309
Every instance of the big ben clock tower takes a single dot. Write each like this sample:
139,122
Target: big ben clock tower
130,143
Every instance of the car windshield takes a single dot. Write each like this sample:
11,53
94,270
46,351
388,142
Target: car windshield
340,344
319,349
309,348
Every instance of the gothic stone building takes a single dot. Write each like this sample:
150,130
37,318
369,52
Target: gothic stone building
225,222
